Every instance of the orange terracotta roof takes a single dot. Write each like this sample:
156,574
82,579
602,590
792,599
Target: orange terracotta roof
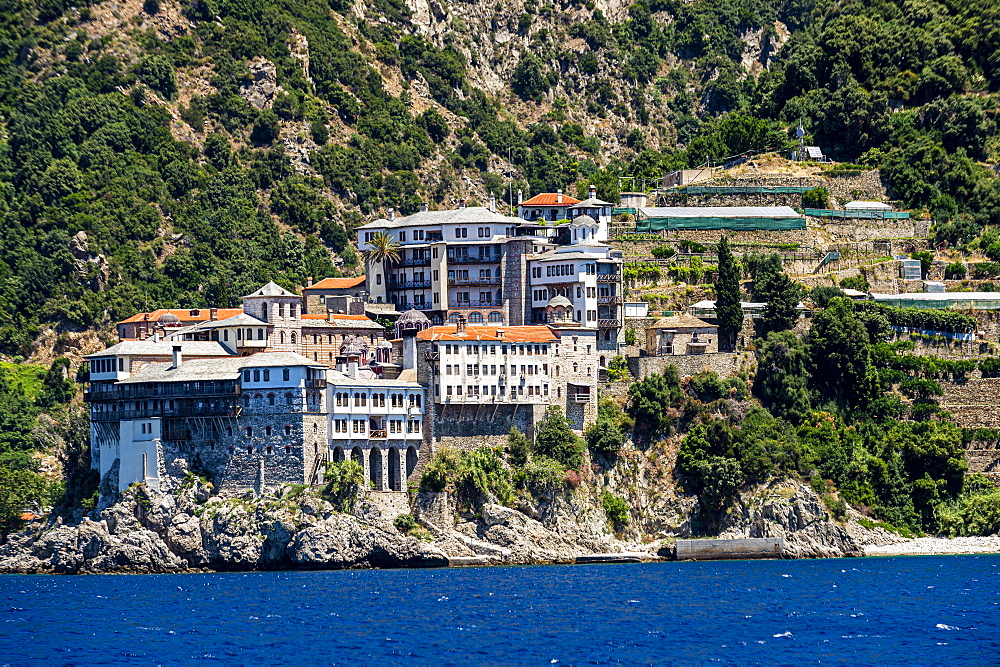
336,316
529,334
550,199
184,314
338,283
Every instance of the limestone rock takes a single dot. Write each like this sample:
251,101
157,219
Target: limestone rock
799,518
262,91
345,542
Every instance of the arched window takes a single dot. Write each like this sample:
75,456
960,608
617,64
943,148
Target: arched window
267,431
281,337
246,400
269,449
293,338
263,312
249,431
288,399
454,317
496,317
315,427
288,429
288,449
556,373
575,368
270,399
260,334
258,400
475,318
250,449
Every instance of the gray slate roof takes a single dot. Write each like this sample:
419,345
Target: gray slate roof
470,214
592,203
149,347
216,369
272,289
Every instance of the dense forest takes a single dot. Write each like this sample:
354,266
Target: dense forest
135,173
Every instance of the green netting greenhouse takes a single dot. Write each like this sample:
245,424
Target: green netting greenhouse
942,300
736,218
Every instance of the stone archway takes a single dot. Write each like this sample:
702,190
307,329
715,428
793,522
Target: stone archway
395,483
411,460
338,454
375,469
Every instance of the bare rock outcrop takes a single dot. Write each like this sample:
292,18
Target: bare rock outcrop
795,513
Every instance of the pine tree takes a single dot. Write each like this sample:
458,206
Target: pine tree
727,295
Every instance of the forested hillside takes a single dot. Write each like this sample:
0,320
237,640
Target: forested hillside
131,123
166,154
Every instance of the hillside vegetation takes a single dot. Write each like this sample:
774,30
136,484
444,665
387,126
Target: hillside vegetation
166,154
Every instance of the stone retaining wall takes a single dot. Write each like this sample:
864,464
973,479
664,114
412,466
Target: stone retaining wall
723,363
973,403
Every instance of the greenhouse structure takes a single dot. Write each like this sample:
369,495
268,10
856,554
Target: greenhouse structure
736,218
942,301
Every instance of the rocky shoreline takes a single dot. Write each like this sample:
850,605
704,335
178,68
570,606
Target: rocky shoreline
192,531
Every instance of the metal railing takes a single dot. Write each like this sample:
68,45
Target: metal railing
415,261
475,259
609,323
379,434
609,277
473,281
613,300
473,304
415,306
409,284
316,383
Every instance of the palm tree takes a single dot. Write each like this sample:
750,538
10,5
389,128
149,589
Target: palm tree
384,250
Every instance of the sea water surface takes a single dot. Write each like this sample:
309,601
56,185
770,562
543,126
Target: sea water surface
875,610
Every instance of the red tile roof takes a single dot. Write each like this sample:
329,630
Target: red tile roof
550,199
338,283
529,334
184,314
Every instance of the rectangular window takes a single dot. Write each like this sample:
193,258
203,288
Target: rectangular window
246,376
448,390
468,369
267,375
285,374
402,237
458,390
256,375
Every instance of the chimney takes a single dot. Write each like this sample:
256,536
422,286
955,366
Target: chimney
309,281
213,314
500,333
493,203
520,197
592,192
423,207
460,326
352,370
409,349
559,196
391,215
156,335
178,357
461,204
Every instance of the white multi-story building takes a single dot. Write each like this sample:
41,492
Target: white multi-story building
489,269
589,220
378,423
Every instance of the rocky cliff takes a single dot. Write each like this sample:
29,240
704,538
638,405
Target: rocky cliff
145,532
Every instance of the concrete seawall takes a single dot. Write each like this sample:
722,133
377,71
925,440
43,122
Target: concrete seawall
738,549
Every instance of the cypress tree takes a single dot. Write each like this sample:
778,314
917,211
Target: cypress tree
727,295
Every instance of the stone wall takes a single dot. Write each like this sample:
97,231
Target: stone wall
723,363
973,403
852,229
866,186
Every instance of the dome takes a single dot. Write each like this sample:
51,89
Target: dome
584,220
412,319
385,345
168,318
559,300
351,347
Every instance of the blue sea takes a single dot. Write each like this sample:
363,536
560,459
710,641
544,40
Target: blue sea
936,610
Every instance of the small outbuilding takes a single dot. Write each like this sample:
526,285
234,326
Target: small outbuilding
681,334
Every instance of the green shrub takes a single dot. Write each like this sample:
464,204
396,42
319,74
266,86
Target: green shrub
441,470
663,252
345,479
990,367
616,509
816,198
404,523
539,475
955,271
518,447
555,439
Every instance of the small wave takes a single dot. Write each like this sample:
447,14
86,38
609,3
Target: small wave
942,626
788,576
784,634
